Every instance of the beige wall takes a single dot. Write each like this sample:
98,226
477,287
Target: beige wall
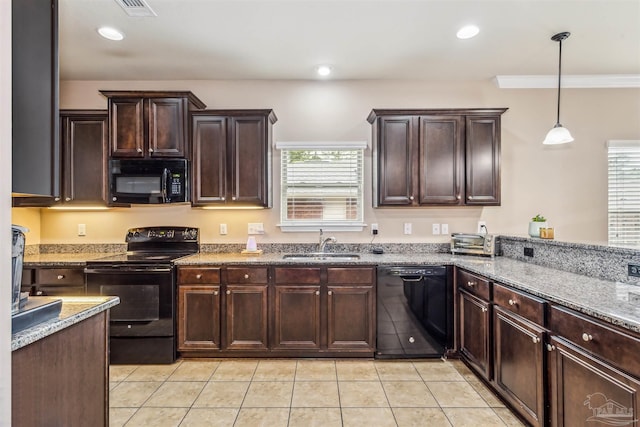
567,183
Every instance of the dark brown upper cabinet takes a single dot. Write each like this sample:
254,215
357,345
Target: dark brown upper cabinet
146,124
232,157
436,157
34,108
84,157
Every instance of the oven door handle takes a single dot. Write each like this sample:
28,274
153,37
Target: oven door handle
126,270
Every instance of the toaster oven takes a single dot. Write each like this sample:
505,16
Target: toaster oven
474,244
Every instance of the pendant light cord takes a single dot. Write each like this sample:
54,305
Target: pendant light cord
559,74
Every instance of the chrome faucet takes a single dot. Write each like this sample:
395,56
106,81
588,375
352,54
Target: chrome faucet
322,243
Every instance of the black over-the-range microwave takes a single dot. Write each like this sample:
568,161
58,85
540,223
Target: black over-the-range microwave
149,181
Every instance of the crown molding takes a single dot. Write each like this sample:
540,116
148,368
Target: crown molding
593,81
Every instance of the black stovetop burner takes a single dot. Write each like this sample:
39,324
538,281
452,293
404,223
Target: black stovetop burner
151,245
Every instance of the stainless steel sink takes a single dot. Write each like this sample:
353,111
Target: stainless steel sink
321,256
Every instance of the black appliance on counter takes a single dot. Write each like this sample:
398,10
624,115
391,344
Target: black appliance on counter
148,181
415,311
143,325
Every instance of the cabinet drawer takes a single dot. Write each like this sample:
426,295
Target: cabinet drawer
473,284
602,340
247,275
350,275
198,275
527,306
303,275
60,276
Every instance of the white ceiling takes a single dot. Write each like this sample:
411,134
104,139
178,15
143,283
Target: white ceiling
373,39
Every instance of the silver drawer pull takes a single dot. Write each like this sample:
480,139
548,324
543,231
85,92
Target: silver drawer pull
472,284
330,293
410,197
550,347
139,150
215,292
60,277
198,276
587,337
317,292
151,150
513,302
246,276
228,292
535,340
484,309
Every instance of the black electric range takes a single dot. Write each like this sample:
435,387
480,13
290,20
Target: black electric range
143,325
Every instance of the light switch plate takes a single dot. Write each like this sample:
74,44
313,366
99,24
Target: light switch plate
82,229
223,229
255,228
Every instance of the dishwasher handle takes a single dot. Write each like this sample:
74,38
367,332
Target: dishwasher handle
411,278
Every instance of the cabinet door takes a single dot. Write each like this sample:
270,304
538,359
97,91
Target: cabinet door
246,317
441,160
198,317
209,159
84,162
167,128
126,134
518,364
248,161
587,391
350,317
483,160
474,332
296,317
397,167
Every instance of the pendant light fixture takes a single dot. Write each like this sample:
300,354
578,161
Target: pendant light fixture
559,134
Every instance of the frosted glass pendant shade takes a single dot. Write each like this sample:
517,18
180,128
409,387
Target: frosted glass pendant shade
558,135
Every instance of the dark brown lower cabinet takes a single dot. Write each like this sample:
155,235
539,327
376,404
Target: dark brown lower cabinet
297,321
198,317
475,323
518,369
350,317
585,391
63,379
246,317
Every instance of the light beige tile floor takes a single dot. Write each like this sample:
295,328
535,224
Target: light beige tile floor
303,393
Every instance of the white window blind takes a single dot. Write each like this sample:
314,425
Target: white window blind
624,192
322,185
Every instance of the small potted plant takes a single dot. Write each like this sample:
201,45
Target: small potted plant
537,222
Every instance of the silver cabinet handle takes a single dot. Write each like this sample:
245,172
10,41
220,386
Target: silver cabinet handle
535,340
67,199
458,197
228,292
550,347
215,292
317,292
484,309
151,150
233,197
139,150
198,276
224,198
587,337
472,284
330,293
410,197
60,277
246,276
513,302
39,293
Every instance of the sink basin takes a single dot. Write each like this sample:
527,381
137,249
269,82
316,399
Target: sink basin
322,256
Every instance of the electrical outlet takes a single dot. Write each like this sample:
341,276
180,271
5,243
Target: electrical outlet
82,229
435,229
255,228
634,270
528,252
223,229
407,228
444,228
374,229
482,226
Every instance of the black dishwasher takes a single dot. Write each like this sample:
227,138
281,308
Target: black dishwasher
415,311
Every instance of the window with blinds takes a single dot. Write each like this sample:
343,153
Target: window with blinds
624,192
322,186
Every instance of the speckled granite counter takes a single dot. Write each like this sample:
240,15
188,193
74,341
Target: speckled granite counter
74,310
62,259
614,302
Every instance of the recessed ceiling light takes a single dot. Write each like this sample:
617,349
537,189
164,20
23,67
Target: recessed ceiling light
110,33
467,32
323,70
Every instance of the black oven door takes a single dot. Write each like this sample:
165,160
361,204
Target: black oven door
146,294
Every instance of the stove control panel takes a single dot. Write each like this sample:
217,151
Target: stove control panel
162,234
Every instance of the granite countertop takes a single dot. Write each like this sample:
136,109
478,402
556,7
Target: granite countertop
614,302
62,259
74,310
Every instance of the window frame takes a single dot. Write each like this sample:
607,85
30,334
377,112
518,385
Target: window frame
287,225
618,232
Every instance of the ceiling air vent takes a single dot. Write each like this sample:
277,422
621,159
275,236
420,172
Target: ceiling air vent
137,8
